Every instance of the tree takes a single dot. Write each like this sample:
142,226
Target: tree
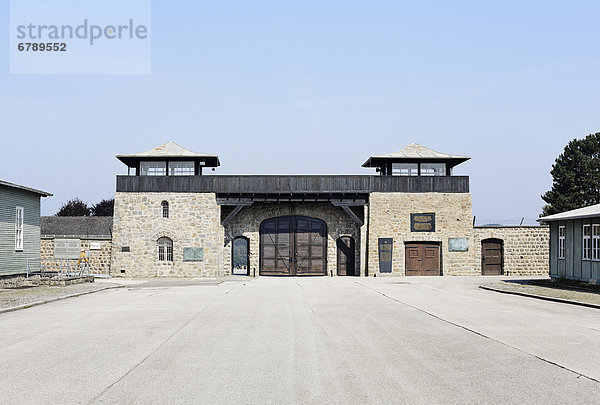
74,208
104,208
576,176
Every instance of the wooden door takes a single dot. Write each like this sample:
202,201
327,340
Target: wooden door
276,246
492,257
310,247
293,245
422,259
345,256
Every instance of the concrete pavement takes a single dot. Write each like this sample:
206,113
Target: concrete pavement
312,340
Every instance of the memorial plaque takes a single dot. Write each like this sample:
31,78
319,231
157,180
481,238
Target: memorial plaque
191,254
422,222
386,246
458,244
95,246
66,248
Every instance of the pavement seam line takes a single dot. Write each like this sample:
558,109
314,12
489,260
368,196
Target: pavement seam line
49,300
167,340
578,374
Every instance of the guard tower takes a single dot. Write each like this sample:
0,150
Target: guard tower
169,159
415,160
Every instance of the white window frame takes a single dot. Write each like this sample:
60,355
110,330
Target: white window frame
405,169
165,249
433,169
19,214
596,242
561,242
586,236
181,168
153,168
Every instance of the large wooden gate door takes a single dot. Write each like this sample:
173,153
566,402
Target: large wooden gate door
422,259
293,245
491,257
345,256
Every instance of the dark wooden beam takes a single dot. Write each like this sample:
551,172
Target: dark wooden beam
352,215
233,213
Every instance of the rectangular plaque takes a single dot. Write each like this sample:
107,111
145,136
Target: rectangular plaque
191,254
95,246
386,246
422,222
458,244
66,248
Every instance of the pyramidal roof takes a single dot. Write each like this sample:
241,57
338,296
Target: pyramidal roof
169,149
414,151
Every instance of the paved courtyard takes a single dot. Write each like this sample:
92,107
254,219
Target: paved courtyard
311,340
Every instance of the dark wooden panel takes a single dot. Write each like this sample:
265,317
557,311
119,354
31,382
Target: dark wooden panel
276,246
317,184
346,256
422,259
492,257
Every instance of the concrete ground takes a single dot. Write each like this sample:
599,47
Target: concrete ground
311,340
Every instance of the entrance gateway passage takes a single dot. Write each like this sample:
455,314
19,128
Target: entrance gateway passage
293,245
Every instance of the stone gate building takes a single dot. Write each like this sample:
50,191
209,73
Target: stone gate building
413,218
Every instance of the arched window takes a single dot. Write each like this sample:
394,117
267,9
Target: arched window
165,209
165,250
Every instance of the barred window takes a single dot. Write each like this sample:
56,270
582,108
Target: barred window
165,250
165,209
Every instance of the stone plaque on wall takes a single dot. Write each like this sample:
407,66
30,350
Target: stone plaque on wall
66,248
458,244
386,246
422,222
191,254
95,246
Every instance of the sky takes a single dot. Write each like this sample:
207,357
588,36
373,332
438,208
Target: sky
316,87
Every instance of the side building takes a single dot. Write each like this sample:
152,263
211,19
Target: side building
575,244
63,238
19,229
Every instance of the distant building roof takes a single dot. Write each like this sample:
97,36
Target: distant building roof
585,212
168,150
414,152
31,190
76,226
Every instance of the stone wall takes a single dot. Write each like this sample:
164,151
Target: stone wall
99,259
526,248
389,217
247,223
194,222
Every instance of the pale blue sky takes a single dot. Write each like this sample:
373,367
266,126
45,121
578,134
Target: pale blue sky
318,87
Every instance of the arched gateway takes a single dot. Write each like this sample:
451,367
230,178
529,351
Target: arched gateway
293,245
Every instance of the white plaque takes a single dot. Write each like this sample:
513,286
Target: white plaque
95,246
66,248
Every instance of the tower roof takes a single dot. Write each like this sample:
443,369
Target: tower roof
169,151
412,153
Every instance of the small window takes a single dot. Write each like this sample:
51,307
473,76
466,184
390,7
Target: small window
165,209
596,242
405,169
433,169
153,168
561,242
165,250
181,168
19,228
587,242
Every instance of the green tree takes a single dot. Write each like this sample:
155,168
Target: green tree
74,208
576,176
104,208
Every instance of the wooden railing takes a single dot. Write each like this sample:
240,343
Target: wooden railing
290,184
